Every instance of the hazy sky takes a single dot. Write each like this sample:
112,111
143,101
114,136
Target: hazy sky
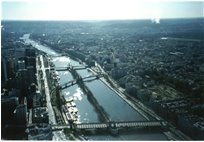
99,9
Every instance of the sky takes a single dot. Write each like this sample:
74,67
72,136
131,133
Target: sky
99,9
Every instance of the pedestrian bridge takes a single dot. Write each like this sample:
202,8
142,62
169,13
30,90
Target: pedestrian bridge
137,124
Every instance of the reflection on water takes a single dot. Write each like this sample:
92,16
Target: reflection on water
47,50
78,94
117,108
86,111
65,77
164,38
66,72
62,61
66,93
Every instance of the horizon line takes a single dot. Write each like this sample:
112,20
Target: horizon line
39,20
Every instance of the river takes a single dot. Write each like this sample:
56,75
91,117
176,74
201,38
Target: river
116,108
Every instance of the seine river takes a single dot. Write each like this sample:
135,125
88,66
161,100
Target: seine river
116,108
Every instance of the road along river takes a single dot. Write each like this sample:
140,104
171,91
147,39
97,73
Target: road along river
115,107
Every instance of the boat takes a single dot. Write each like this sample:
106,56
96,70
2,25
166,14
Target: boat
41,131
69,116
73,104
69,99
65,109
68,105
73,110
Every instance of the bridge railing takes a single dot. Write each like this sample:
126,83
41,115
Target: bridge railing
75,81
139,124
70,67
112,124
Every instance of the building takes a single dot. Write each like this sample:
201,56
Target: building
37,102
21,114
30,53
31,75
4,72
22,79
192,125
40,115
118,73
40,132
30,61
8,105
21,64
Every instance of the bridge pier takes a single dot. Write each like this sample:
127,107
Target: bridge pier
113,128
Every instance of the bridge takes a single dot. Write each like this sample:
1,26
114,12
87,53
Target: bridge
128,124
79,79
57,55
70,67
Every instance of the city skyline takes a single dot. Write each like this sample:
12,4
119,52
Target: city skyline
100,10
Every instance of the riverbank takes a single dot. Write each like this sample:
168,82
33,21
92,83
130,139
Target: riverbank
117,93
